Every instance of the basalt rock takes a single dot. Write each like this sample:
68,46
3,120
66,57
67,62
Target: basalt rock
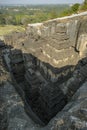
3,115
46,73
59,42
73,116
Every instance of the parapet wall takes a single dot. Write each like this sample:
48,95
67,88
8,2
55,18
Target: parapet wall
72,28
59,42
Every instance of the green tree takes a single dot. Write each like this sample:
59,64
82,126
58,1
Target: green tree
84,6
53,14
18,19
85,1
8,19
2,19
75,7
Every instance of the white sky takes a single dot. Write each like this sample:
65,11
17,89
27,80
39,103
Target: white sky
38,1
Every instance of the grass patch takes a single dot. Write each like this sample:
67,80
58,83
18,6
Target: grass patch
6,29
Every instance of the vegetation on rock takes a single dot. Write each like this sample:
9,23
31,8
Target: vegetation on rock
6,29
22,15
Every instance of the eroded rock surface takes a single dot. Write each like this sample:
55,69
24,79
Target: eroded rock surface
50,51
12,113
59,42
73,116
3,115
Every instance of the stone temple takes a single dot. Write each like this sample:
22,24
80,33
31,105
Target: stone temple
47,65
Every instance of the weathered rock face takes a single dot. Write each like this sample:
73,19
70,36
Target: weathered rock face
50,52
12,113
73,116
3,115
77,79
17,64
36,86
62,35
58,42
67,28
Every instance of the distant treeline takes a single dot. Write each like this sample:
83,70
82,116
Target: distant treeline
22,15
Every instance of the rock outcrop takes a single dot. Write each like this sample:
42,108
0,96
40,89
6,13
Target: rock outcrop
3,115
45,71
58,42
73,116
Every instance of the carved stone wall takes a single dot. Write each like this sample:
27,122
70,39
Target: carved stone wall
59,42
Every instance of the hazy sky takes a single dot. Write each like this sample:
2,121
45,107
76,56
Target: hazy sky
38,1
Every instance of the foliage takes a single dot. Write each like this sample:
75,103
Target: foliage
53,14
22,15
85,1
75,8
5,29
66,13
84,6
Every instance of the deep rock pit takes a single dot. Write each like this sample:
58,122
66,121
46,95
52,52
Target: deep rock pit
47,65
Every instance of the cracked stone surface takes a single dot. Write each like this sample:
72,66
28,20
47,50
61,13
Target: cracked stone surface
73,116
